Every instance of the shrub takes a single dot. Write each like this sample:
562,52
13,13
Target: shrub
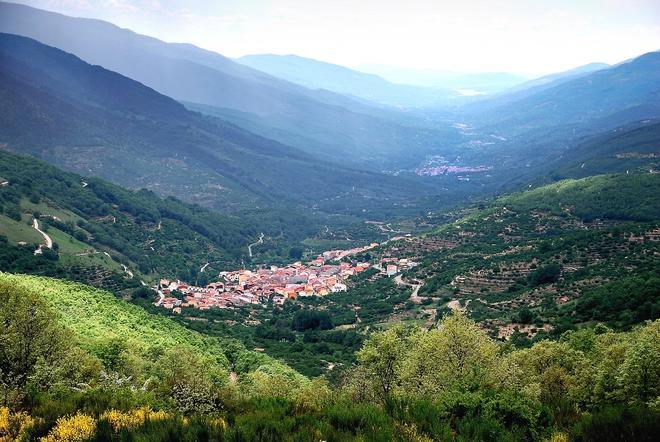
14,426
545,275
132,419
79,427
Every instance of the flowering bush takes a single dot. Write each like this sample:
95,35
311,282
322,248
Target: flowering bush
132,419
13,425
77,428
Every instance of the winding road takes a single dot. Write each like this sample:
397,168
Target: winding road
398,279
127,270
261,241
49,241
389,228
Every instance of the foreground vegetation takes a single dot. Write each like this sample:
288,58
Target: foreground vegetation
79,365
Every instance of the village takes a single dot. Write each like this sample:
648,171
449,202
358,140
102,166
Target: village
325,274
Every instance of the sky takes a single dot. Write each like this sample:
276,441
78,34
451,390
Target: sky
530,37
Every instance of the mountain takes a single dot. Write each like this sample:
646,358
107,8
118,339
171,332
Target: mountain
328,125
316,74
531,87
534,132
601,99
462,83
556,78
534,263
113,238
632,148
97,122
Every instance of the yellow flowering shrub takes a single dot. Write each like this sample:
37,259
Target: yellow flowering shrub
132,419
77,428
13,425
558,437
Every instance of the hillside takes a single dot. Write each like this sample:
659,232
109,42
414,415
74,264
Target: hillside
316,74
95,316
606,97
334,127
96,122
547,260
97,227
635,147
527,266
536,85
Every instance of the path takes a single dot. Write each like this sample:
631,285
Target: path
127,270
261,241
161,297
49,241
204,267
389,228
398,279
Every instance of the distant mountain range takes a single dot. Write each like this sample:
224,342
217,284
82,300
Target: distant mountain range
316,74
312,135
97,122
326,124
555,78
599,97
461,83
551,124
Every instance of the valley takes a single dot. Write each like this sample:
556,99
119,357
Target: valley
270,247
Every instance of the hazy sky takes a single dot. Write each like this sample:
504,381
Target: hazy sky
523,36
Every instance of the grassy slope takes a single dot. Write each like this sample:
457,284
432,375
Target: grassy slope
97,316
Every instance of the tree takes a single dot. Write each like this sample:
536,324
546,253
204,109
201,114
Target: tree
308,319
29,337
640,372
456,356
190,380
381,357
545,275
296,253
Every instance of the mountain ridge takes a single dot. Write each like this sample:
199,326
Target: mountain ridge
195,75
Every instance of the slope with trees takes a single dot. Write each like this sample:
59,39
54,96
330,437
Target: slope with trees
98,226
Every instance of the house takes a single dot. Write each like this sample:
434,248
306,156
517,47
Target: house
392,270
339,287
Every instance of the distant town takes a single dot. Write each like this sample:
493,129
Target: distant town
325,274
446,169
